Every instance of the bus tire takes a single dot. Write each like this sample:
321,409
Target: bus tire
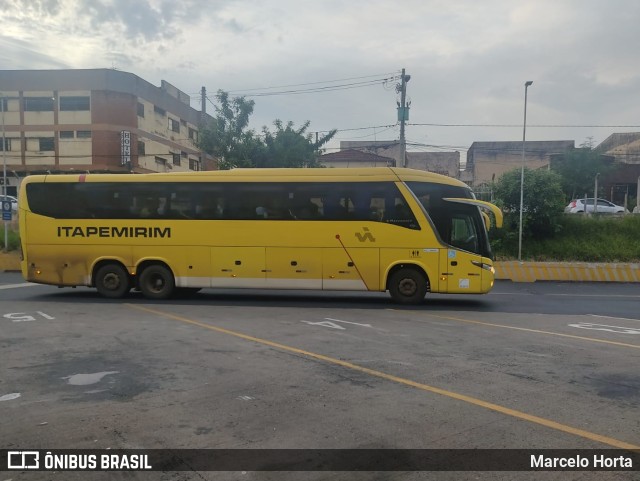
407,286
112,281
156,282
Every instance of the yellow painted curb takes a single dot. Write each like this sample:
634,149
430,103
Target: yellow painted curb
567,271
9,261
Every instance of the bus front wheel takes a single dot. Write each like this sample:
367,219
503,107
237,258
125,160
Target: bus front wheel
156,282
112,281
407,286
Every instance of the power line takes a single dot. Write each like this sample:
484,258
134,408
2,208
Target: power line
534,125
358,128
313,83
369,135
329,88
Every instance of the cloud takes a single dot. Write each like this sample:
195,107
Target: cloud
468,60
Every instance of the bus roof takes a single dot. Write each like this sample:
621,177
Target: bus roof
364,174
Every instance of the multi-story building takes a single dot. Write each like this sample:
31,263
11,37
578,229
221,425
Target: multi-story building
98,120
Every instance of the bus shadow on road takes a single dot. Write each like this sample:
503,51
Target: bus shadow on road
244,298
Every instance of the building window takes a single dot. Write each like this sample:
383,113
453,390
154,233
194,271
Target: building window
7,145
176,159
74,103
159,111
140,109
141,148
38,104
5,105
83,134
174,125
194,164
66,134
46,143
193,134
161,160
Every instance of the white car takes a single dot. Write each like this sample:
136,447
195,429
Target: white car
577,206
12,199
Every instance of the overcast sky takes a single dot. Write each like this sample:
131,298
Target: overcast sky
468,60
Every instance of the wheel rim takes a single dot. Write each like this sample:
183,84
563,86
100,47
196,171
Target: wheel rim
157,283
111,281
407,287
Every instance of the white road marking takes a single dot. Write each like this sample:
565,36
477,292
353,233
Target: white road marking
330,324
629,296
611,317
86,379
604,327
24,317
15,286
10,397
348,322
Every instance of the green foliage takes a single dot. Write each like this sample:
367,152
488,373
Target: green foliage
229,139
578,169
582,239
13,239
543,204
289,147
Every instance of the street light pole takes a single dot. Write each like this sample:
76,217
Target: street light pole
524,131
4,172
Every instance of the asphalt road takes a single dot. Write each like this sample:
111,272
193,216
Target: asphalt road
544,365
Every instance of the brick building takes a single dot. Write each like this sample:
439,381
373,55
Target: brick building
96,120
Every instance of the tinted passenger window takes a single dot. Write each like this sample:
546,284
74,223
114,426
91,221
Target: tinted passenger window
370,201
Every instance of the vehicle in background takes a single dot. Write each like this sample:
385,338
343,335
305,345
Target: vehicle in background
577,206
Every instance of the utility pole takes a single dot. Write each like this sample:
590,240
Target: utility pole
203,93
403,116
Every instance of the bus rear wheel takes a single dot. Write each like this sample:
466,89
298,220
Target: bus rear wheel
407,286
156,282
112,281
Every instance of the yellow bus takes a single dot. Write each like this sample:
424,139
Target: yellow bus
363,229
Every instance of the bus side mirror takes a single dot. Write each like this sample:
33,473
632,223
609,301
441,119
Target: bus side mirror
487,221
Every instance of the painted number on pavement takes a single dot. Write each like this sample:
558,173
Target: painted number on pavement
331,323
604,327
24,317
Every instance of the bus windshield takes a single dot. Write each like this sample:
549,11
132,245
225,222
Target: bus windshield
457,225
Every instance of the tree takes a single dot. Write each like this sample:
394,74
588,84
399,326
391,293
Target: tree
229,139
227,136
578,169
543,201
290,147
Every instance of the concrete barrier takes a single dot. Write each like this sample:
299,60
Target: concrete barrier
9,261
567,271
